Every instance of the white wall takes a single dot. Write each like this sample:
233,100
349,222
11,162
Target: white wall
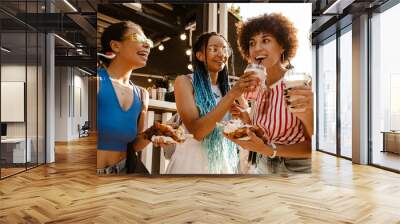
71,94
12,73
61,103
81,100
33,127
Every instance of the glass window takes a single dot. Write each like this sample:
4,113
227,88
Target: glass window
327,96
22,91
31,97
385,84
314,87
346,94
41,98
15,150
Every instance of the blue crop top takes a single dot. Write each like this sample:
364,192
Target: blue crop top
116,127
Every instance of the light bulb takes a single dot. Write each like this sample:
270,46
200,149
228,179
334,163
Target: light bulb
188,52
161,47
183,36
149,80
190,66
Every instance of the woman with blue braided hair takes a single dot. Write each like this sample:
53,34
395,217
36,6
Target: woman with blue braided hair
203,99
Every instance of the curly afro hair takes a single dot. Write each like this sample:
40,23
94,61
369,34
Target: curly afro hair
275,24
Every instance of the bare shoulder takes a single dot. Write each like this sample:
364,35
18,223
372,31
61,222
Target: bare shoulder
98,83
182,82
144,92
144,97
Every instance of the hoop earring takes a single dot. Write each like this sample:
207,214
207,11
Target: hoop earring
289,66
109,55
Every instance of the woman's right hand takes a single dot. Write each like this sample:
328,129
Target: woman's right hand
238,111
254,144
248,82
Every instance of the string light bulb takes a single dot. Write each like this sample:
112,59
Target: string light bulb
183,36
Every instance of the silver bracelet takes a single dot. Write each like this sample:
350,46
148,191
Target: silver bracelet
274,151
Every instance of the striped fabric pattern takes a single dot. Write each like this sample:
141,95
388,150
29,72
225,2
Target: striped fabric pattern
271,114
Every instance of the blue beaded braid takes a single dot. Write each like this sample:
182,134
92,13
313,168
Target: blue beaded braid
215,143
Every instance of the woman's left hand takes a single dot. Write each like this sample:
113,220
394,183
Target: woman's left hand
300,101
254,144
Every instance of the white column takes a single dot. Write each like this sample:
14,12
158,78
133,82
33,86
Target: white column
65,123
360,90
212,17
164,162
223,19
50,98
147,153
380,85
314,88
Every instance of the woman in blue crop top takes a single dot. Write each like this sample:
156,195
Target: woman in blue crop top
121,105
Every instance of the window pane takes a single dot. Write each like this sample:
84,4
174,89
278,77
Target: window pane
327,97
23,88
31,97
346,94
385,89
15,150
41,99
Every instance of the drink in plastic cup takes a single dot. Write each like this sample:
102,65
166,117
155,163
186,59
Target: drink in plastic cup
261,73
296,80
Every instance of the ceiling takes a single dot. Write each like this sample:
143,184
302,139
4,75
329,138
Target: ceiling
162,22
331,15
77,26
167,20
157,20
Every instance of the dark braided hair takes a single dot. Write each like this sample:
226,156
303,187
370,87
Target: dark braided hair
223,75
116,32
217,146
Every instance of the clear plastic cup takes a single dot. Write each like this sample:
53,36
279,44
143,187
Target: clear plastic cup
296,80
261,72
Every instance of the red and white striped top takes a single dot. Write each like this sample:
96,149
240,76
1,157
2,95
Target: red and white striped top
271,114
